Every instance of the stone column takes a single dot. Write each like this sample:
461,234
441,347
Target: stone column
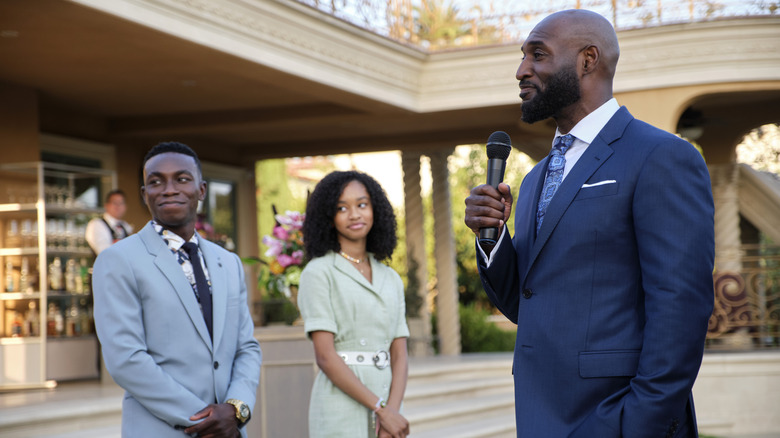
416,260
448,321
725,192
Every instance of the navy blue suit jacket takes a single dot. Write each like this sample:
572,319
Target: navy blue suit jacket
612,298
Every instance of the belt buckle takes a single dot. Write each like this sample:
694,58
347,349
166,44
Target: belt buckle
381,359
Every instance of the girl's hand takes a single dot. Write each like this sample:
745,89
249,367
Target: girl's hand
391,423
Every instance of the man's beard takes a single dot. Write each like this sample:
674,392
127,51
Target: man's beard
563,89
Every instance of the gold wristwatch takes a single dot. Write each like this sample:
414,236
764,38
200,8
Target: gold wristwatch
242,410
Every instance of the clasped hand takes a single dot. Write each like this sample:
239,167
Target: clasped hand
219,421
391,424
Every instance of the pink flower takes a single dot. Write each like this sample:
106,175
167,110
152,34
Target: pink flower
292,219
274,246
298,256
285,260
280,233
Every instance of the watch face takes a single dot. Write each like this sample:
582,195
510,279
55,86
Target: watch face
244,411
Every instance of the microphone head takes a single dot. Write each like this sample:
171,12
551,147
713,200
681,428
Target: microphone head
499,145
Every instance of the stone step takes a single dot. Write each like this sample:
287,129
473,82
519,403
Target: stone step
54,418
464,367
114,431
462,411
467,396
442,391
502,426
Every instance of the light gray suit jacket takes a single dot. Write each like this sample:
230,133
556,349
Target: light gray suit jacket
154,339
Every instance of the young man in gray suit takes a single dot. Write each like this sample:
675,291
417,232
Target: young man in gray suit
172,317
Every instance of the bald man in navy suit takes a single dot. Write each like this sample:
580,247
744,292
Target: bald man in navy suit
609,274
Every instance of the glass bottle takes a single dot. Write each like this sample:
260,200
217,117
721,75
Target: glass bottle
55,274
32,320
16,325
26,233
84,275
34,276
72,327
9,277
59,322
51,319
12,237
84,322
24,276
70,276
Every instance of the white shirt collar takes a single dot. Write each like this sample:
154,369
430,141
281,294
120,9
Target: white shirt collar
589,127
111,219
173,240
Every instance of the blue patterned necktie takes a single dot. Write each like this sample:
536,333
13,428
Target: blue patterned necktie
552,180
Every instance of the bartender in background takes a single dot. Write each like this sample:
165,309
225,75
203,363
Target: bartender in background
104,231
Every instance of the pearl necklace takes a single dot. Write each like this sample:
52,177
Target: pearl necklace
350,258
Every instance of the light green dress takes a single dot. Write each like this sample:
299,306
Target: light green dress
333,296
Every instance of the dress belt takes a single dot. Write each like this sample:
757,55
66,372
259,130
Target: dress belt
379,359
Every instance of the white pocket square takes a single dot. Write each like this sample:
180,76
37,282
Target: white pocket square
600,183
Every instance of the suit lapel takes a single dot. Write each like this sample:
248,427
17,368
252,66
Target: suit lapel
595,155
169,267
218,289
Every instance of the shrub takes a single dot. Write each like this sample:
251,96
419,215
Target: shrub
477,334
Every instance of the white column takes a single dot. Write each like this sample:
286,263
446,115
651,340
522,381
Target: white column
448,321
419,326
728,242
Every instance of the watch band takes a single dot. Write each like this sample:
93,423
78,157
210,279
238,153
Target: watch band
242,410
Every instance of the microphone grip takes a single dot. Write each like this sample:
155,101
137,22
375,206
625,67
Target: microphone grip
495,174
495,171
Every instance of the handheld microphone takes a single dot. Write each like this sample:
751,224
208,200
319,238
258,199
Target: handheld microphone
498,147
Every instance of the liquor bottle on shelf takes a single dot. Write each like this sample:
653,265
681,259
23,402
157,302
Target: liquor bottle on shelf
50,320
34,233
72,326
9,277
12,237
16,325
55,323
71,273
71,236
27,235
31,321
55,274
84,319
33,276
84,276
24,276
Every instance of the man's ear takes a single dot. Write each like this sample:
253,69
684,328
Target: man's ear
203,186
143,195
590,59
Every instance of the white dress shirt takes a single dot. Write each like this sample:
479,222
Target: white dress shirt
99,237
584,132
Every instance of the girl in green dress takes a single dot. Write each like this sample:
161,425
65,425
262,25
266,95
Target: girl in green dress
353,310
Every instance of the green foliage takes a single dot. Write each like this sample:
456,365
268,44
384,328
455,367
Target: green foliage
477,334
279,310
413,299
438,23
468,169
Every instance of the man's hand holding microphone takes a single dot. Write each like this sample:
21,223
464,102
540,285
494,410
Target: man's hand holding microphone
489,205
